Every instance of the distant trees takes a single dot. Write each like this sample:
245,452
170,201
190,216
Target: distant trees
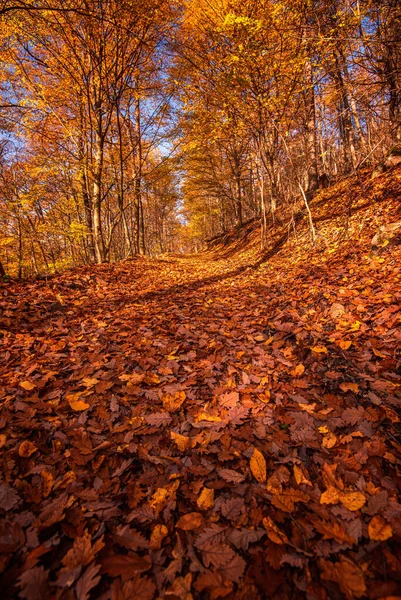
275,99
282,96
84,108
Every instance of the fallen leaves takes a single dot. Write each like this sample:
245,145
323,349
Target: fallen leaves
258,466
245,447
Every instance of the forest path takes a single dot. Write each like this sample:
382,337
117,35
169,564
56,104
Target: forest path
189,427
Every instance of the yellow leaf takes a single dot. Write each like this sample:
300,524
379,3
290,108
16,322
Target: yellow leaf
258,466
352,500
379,530
320,349
356,326
273,532
27,385
324,429
205,499
26,449
183,442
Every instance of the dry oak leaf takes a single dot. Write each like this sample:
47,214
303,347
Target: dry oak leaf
82,552
182,441
137,588
379,530
158,534
333,531
348,575
273,532
26,449
27,385
258,466
181,588
205,500
87,582
3,440
190,521
287,499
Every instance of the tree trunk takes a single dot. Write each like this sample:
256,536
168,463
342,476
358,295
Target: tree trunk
100,252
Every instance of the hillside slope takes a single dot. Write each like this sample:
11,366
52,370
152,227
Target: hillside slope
215,426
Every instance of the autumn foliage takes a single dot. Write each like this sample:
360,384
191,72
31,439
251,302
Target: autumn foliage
209,426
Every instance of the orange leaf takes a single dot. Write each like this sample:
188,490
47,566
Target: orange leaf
353,500
273,532
298,371
27,385
78,405
190,521
287,499
349,387
258,466
26,449
379,530
183,442
205,499
320,349
158,534
300,477
330,496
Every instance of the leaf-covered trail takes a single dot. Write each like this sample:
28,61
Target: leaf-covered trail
192,428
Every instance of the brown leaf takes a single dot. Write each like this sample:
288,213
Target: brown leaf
125,566
8,497
287,499
190,521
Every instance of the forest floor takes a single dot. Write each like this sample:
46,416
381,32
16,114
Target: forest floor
213,426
